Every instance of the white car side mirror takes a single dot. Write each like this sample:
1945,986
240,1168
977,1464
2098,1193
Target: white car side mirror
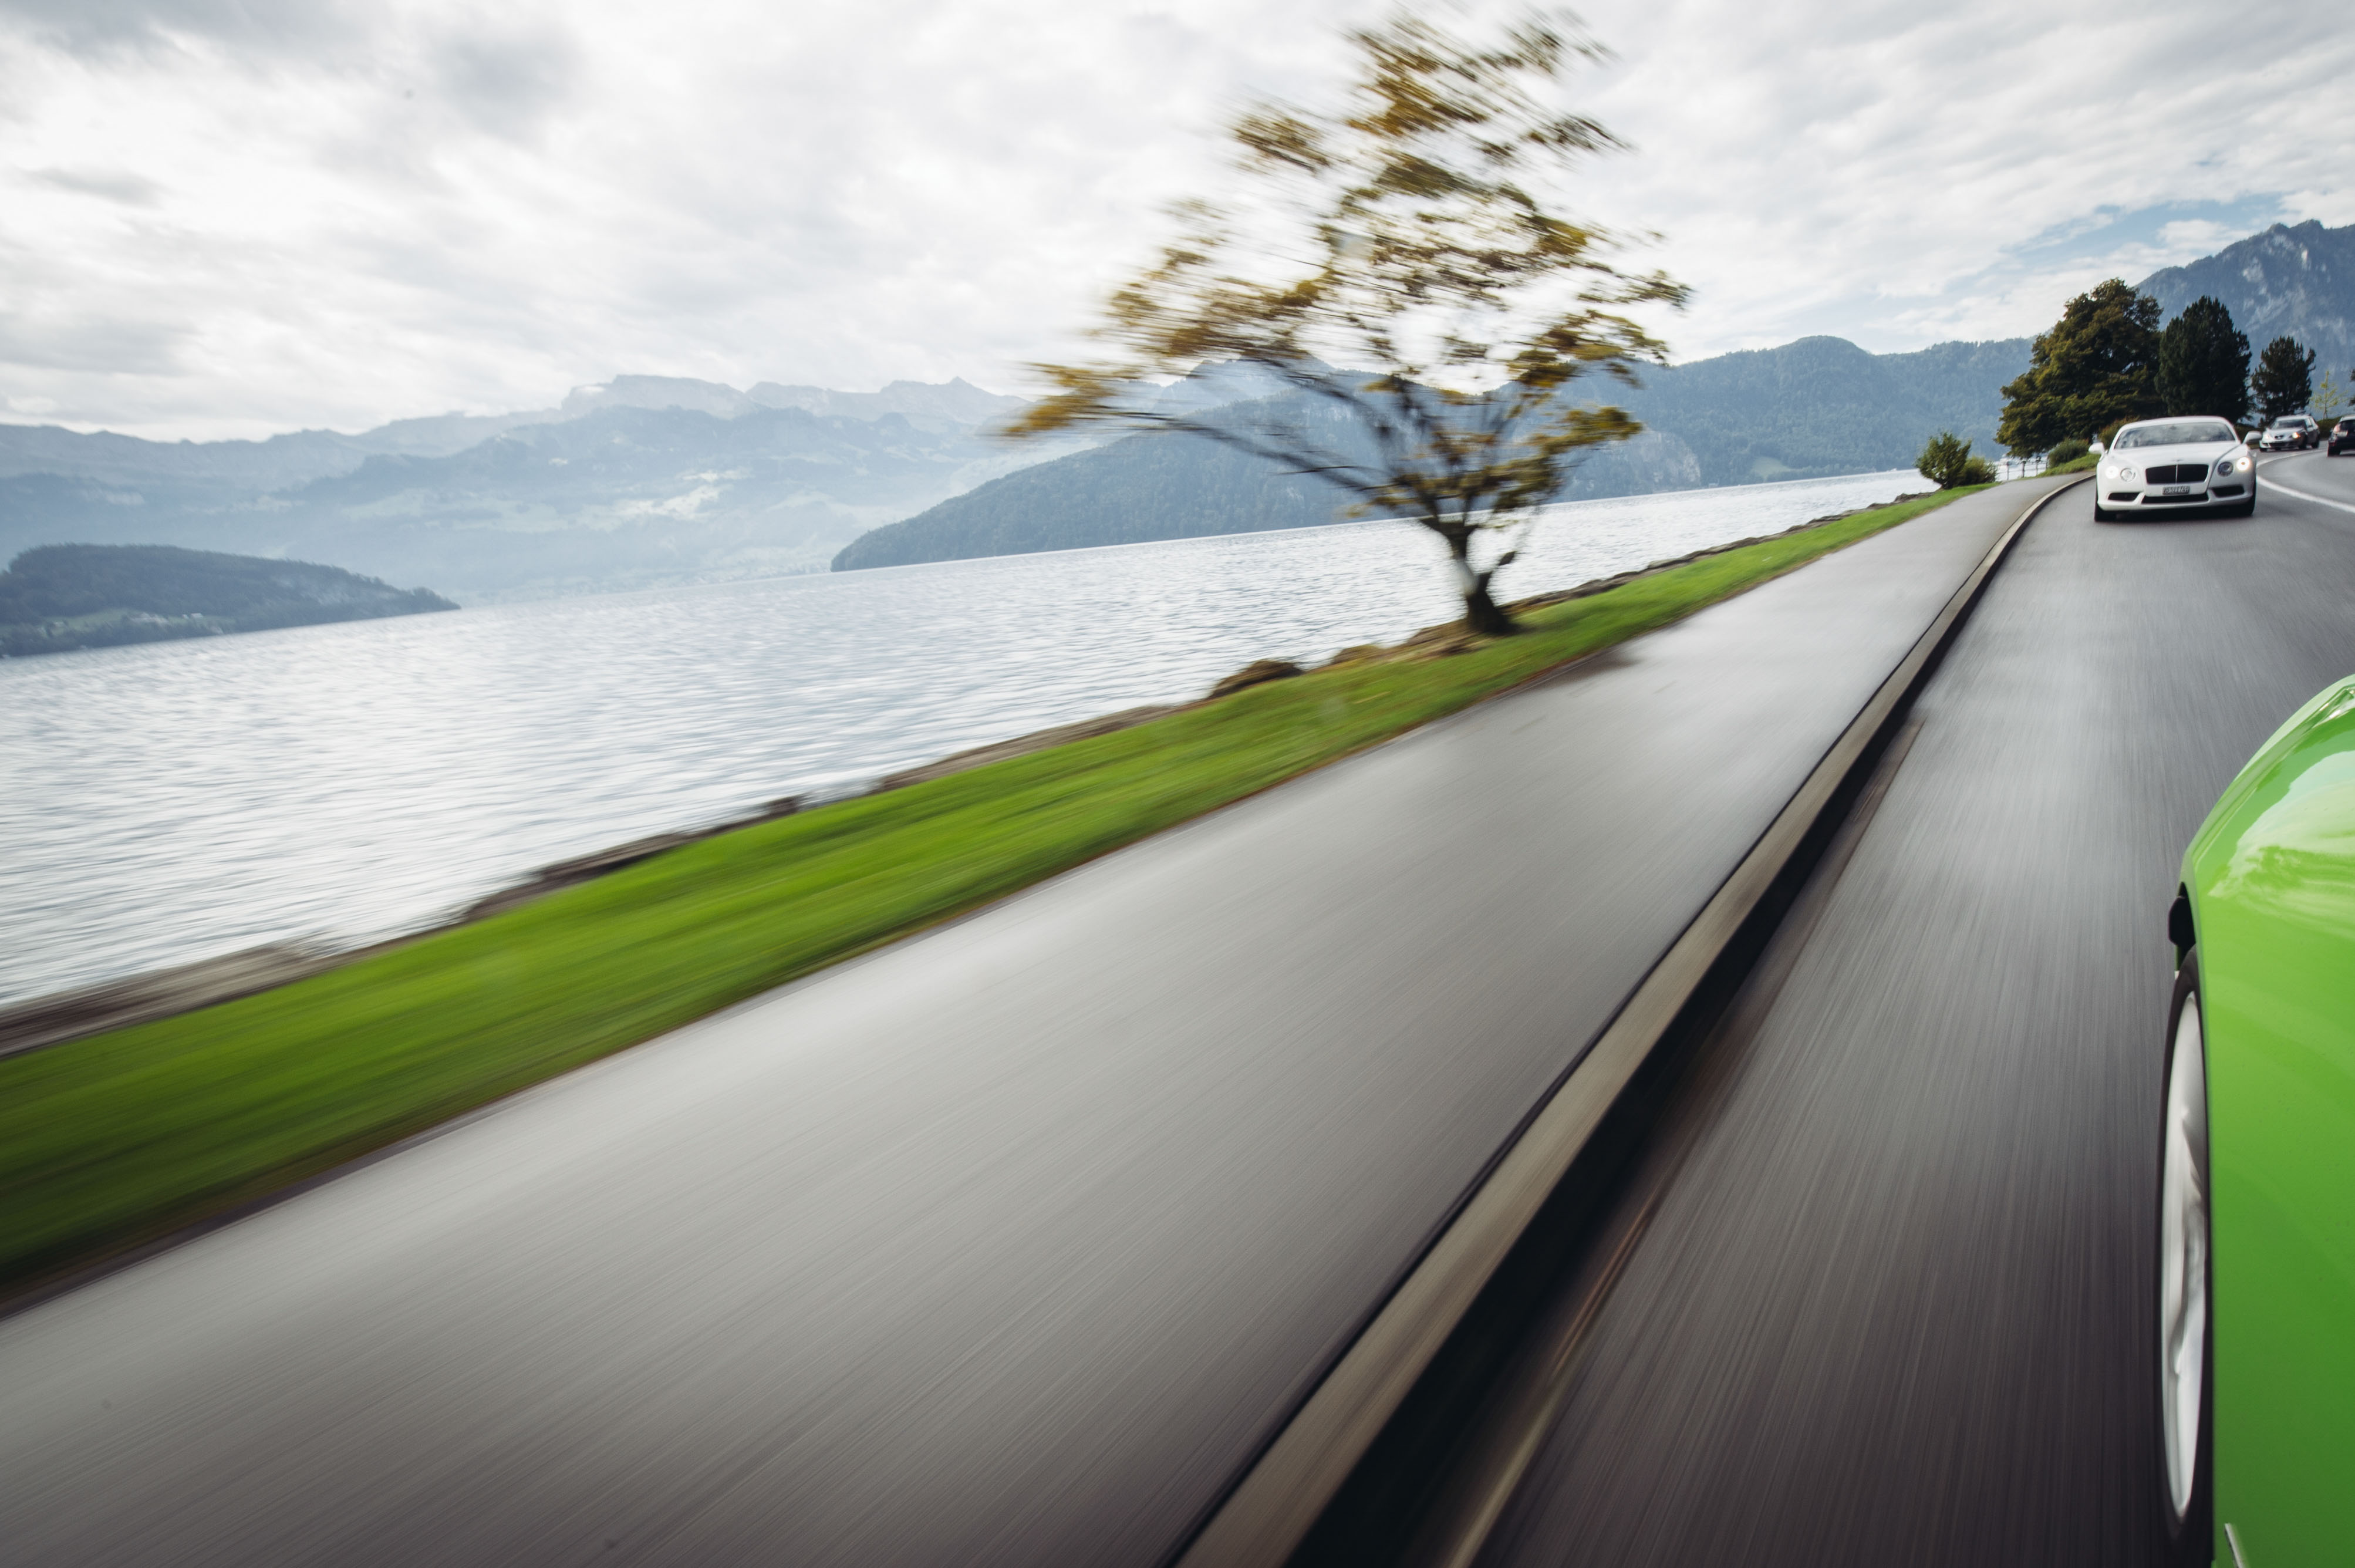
2098,449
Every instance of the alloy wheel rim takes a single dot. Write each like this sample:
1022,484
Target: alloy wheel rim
2183,1256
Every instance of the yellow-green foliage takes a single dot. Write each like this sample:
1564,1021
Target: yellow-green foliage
107,1141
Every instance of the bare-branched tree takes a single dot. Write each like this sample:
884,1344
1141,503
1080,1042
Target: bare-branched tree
1398,270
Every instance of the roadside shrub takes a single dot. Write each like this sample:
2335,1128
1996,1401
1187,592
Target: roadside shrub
2067,452
1946,462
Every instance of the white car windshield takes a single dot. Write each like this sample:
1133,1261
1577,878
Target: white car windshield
2290,421
2190,433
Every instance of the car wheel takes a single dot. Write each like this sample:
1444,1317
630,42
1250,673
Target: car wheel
2247,508
2187,1339
2102,514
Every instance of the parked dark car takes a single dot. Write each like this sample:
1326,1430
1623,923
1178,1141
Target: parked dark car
2342,436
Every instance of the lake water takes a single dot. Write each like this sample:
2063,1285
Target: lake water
176,801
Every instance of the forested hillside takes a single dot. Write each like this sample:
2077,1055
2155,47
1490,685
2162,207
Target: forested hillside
1154,486
77,596
1824,406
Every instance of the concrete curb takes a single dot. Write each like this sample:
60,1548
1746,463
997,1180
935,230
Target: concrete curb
1272,1508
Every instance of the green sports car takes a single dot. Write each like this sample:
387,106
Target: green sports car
2257,1229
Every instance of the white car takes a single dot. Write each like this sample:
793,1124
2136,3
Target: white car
2292,431
2174,462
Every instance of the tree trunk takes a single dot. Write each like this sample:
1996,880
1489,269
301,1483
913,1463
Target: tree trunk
1482,614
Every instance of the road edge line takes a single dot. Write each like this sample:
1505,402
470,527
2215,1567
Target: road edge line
1272,1508
2304,496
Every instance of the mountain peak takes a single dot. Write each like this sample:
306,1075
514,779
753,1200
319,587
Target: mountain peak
958,402
2291,280
658,392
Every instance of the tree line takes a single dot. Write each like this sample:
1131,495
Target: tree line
2107,360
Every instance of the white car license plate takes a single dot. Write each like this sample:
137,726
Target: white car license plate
2177,490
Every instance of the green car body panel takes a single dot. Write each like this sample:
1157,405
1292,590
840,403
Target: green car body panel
2271,877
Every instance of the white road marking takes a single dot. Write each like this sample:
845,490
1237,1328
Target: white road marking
2308,496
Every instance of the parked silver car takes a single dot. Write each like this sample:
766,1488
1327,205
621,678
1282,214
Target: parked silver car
2174,462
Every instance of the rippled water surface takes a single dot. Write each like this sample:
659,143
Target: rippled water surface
170,802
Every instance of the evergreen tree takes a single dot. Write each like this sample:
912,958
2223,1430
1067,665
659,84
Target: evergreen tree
2097,365
2204,362
2284,379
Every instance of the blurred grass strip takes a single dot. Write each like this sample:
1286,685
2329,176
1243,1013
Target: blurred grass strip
113,1140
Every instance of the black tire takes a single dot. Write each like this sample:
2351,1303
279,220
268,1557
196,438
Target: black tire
2102,514
2247,508
2188,1530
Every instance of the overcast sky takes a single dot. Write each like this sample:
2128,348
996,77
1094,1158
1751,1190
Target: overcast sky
236,217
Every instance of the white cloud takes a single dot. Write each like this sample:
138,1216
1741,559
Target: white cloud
1899,175
237,216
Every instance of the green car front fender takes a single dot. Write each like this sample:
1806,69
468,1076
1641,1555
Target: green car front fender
2271,880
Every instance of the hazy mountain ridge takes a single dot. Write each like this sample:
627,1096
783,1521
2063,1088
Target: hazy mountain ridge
956,404
627,459
2296,282
636,482
57,598
1817,407
1147,486
273,464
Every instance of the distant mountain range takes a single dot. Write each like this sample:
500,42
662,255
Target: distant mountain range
1819,406
60,597
2284,282
1149,486
642,481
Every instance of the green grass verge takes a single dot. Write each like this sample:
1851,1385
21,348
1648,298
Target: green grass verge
113,1140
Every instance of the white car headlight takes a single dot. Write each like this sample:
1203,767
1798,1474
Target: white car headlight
2232,463
2125,473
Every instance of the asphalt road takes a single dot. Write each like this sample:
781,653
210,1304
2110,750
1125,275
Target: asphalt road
1009,1244
1893,1303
